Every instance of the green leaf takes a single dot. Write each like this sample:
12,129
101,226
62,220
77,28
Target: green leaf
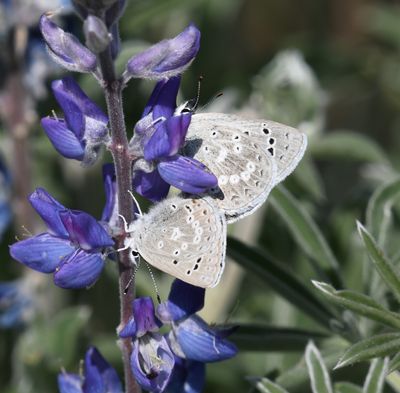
376,346
319,376
266,386
376,376
360,304
296,379
346,387
272,338
379,209
382,264
280,279
394,363
304,229
345,145
62,333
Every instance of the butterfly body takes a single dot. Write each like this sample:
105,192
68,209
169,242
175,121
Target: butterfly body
183,237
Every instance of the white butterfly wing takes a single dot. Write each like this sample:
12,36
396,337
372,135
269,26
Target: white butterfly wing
185,238
285,144
245,170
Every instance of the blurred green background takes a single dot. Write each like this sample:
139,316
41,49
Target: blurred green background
329,67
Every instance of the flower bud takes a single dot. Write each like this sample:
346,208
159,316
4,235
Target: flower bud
96,34
65,48
167,58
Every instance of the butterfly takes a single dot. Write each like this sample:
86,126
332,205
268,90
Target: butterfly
184,237
249,158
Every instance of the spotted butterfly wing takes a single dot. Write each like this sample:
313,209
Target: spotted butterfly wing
286,145
183,237
249,157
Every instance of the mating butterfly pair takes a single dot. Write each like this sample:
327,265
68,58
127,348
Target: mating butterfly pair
186,237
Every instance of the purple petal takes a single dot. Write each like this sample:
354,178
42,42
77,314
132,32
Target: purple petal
143,314
100,377
187,174
65,48
200,342
152,362
42,253
150,185
110,186
48,209
63,139
115,12
163,98
85,231
129,330
168,138
167,58
183,301
83,116
69,383
79,270
188,377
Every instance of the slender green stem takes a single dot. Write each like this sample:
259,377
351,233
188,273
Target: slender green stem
122,162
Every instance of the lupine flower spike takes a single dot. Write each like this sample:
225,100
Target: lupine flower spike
72,248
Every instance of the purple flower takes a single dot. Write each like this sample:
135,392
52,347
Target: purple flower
188,377
167,58
72,248
98,377
159,135
15,304
110,211
65,48
152,360
191,337
84,129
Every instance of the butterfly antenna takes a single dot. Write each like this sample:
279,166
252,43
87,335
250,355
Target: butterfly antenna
154,283
196,102
128,285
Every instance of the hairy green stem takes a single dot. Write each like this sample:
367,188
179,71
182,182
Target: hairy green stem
123,170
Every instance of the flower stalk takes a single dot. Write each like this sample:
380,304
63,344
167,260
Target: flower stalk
122,161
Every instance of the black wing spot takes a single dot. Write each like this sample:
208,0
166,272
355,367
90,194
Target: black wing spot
175,262
271,151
